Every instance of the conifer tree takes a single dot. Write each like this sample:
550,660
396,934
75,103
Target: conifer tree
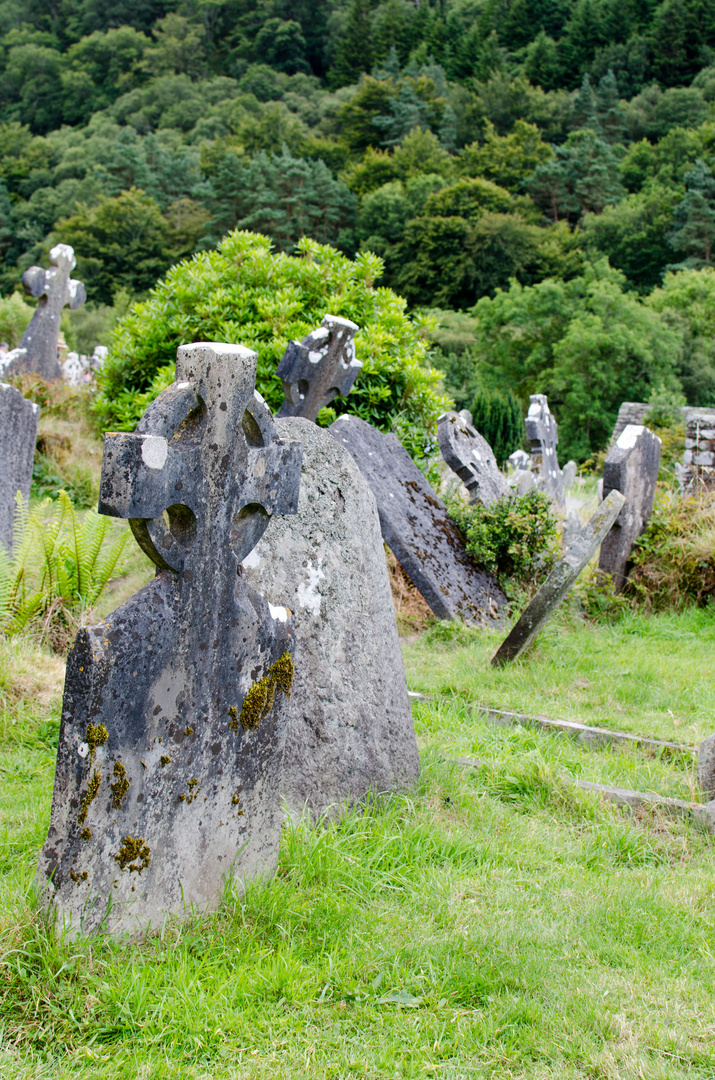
355,52
693,232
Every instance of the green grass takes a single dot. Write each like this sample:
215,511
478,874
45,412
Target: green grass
651,675
496,922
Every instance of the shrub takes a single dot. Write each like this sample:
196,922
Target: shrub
516,538
243,293
674,559
58,571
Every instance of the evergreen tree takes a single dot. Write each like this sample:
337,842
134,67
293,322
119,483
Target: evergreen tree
610,110
497,417
355,52
584,113
693,232
541,65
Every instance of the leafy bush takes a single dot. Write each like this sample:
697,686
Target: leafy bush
516,538
57,572
242,292
498,418
674,560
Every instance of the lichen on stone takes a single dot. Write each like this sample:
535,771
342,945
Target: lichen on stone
93,787
86,834
260,696
95,736
283,671
165,759
133,848
120,786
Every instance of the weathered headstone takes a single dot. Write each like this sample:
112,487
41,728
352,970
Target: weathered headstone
521,481
706,766
471,457
416,526
559,581
55,290
572,527
542,433
18,433
629,412
349,719
569,474
631,467
318,368
173,720
519,460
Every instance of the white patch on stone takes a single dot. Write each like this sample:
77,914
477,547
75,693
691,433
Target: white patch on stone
258,397
308,595
280,614
316,355
63,251
320,334
155,450
180,385
252,560
83,749
629,436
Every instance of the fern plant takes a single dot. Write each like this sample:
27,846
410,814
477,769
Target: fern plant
58,571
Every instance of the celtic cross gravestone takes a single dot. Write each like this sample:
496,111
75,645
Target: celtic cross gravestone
173,728
319,368
543,434
470,456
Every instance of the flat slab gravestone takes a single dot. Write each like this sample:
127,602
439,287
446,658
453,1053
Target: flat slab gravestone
319,368
55,290
18,434
349,720
173,720
543,434
416,526
559,581
631,467
470,456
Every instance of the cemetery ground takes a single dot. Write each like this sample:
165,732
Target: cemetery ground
496,921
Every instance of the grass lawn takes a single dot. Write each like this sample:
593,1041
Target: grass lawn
496,922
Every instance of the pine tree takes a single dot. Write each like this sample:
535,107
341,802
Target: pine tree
355,52
584,114
541,64
610,111
693,233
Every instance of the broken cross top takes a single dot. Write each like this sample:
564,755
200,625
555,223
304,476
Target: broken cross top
319,368
175,478
471,457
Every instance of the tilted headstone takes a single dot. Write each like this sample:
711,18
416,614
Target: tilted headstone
319,368
349,719
173,720
706,766
471,457
416,526
542,433
631,467
559,581
18,434
55,290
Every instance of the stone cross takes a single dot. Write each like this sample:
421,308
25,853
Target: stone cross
55,290
631,467
416,526
471,457
319,368
173,721
542,433
559,581
18,433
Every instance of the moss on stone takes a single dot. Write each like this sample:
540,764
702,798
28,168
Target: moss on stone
120,786
133,848
93,787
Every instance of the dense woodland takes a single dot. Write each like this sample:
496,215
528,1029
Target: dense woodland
538,171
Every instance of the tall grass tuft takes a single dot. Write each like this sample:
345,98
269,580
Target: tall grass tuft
675,558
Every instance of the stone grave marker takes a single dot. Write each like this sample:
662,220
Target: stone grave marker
569,472
55,290
559,581
706,766
416,526
173,720
18,434
631,467
470,456
542,433
319,368
349,720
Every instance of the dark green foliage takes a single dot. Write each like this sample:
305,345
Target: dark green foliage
693,232
498,418
516,538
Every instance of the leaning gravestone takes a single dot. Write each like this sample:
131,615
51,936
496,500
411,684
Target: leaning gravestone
471,457
416,526
319,368
55,290
559,581
18,433
542,433
631,467
173,720
349,719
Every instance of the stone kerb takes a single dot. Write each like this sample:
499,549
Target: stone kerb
470,456
173,719
18,434
349,721
631,467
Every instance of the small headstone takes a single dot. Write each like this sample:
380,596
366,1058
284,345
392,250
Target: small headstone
631,467
18,433
559,581
470,456
73,369
569,474
706,766
319,368
542,433
519,460
349,720
464,414
55,290
416,526
173,720
521,481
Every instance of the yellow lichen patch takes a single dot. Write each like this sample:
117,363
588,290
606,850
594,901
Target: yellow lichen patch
259,699
233,722
86,834
133,848
188,731
120,786
283,671
165,759
194,789
94,737
92,792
